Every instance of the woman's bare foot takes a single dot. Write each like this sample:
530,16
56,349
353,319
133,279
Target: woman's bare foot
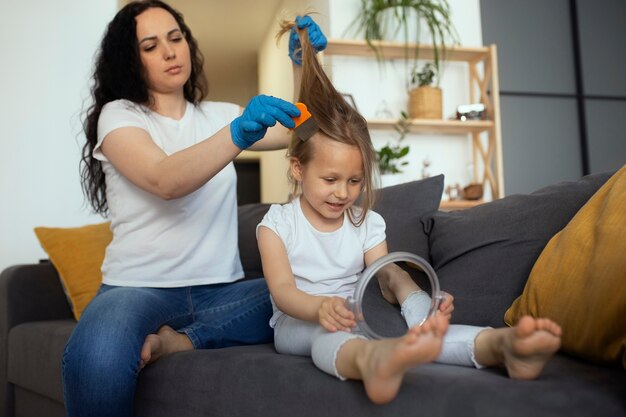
523,349
165,341
384,362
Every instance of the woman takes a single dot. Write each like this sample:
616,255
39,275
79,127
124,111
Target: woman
158,161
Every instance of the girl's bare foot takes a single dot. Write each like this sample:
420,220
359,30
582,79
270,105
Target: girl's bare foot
532,343
166,340
523,349
395,284
384,362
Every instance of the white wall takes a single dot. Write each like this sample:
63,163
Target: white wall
47,49
371,85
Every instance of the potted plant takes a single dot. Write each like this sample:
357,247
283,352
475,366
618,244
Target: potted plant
390,156
424,98
377,19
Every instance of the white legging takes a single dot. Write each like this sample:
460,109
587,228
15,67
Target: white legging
458,342
303,338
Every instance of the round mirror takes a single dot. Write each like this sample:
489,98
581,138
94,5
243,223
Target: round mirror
378,318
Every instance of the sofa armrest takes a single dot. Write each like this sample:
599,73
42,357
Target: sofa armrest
27,293
31,293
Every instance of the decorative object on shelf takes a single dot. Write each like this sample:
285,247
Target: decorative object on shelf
425,99
425,164
470,111
472,192
383,112
384,19
389,156
453,192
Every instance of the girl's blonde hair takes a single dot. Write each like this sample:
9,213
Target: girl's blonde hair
336,119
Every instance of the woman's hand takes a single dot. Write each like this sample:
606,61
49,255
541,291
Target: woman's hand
446,307
261,113
317,38
334,315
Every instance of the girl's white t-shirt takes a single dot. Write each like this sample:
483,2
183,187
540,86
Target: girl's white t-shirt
191,240
323,263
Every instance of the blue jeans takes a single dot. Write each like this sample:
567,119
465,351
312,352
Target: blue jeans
102,357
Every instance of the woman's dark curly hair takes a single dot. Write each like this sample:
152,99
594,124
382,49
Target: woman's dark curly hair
119,74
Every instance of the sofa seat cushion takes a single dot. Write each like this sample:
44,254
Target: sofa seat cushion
34,355
256,381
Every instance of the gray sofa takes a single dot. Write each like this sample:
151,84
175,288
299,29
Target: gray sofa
483,256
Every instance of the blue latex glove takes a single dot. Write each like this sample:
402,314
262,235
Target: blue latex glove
317,38
260,113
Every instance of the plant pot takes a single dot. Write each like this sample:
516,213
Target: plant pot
425,103
473,192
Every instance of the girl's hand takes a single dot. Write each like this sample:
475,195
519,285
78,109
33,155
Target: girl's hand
333,315
446,307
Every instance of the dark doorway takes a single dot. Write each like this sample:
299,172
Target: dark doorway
248,182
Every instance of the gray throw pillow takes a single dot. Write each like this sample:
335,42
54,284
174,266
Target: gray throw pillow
403,206
249,216
483,256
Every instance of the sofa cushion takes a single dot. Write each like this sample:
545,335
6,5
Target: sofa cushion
578,281
256,381
483,255
249,216
77,254
402,206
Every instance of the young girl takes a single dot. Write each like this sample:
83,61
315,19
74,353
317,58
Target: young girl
314,248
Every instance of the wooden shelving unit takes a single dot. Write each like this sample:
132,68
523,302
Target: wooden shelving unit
453,127
484,88
449,205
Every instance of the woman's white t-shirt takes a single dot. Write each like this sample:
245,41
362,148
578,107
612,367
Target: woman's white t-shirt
191,240
323,263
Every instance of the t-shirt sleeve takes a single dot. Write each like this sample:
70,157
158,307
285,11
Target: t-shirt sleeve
279,219
222,113
114,115
374,230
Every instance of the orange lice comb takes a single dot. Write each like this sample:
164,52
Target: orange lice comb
305,124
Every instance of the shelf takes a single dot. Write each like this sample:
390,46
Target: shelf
437,126
449,205
396,50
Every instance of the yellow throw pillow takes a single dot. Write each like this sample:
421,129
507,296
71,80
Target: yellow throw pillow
77,254
579,280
